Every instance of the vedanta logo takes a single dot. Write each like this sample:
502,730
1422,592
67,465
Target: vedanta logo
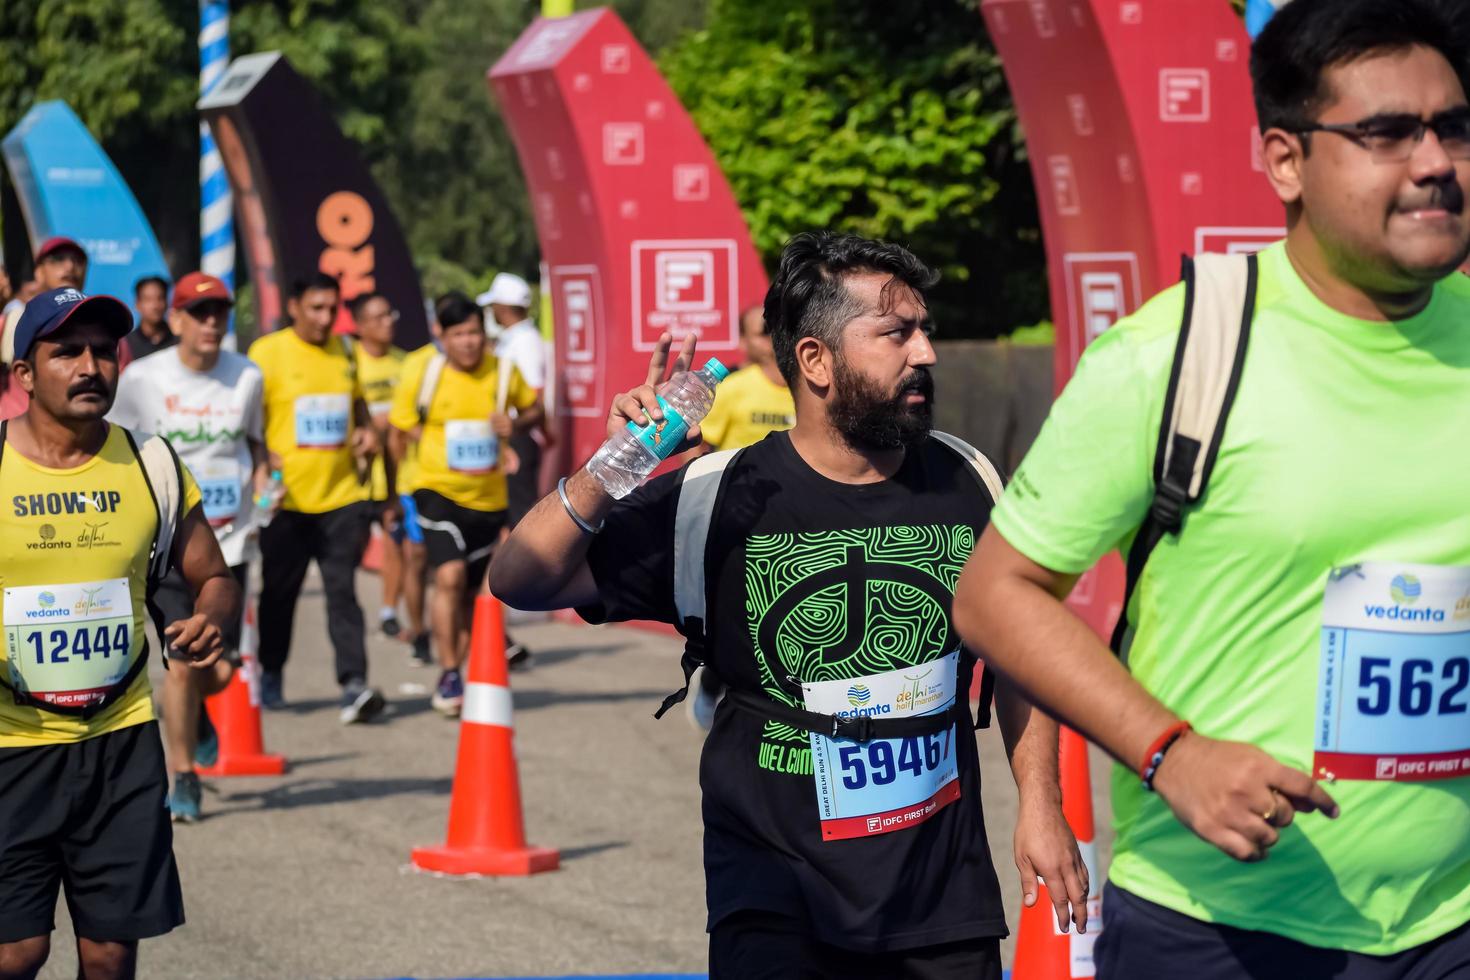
1405,589
859,695
1404,614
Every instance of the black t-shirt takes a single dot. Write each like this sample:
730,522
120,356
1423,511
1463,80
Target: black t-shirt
816,580
141,346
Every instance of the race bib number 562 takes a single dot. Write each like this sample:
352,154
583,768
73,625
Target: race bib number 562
1393,698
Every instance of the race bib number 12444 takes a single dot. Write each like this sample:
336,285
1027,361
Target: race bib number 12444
1393,698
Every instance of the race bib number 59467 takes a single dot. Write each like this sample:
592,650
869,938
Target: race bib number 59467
1393,698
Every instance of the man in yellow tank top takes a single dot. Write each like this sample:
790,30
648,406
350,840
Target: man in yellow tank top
82,776
317,426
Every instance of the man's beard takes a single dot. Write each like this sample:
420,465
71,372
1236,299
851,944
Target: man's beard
870,419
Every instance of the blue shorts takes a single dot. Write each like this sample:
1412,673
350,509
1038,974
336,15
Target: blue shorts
410,529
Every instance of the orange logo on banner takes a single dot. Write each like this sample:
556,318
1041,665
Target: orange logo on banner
345,222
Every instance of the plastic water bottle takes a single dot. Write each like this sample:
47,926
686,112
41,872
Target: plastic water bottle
626,460
267,500
265,506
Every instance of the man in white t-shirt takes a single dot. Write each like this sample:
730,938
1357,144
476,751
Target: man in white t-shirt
519,342
207,402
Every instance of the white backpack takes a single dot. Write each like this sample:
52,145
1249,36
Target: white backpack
1219,305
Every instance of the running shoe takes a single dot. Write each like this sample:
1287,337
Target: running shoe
206,741
360,703
699,703
388,623
271,697
517,657
449,695
422,655
183,802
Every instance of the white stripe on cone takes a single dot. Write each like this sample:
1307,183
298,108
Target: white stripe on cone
486,704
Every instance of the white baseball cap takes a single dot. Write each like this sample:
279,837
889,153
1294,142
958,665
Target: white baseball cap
507,289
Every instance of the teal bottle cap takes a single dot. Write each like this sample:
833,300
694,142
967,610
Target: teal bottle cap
714,367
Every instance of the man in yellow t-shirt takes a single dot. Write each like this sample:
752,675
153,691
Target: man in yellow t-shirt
454,408
379,366
754,401
317,427
82,775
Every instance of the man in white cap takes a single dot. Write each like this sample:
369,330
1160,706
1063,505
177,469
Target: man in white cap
520,343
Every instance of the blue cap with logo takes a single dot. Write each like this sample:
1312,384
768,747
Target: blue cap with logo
46,313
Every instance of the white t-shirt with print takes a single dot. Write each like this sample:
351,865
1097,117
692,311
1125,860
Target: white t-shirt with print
207,416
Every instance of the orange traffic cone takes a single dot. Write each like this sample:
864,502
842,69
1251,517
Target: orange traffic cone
235,712
1044,952
372,555
486,830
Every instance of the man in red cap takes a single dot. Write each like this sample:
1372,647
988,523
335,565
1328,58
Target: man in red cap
206,401
93,517
60,262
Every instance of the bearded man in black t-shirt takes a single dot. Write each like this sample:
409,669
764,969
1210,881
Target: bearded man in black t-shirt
843,829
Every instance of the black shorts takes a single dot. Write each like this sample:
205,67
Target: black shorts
455,533
90,817
173,600
770,946
1144,941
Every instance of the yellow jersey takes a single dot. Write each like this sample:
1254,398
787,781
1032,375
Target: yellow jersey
309,394
74,548
378,377
459,455
747,408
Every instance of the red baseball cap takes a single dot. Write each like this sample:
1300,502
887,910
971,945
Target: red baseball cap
197,287
57,244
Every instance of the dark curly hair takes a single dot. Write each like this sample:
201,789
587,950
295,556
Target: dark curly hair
808,297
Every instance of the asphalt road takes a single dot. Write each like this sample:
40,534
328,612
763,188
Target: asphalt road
307,875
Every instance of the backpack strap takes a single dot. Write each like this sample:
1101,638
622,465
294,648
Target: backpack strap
699,497
991,482
429,383
164,474
1219,304
985,472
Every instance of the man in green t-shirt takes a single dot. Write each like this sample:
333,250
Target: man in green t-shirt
1311,621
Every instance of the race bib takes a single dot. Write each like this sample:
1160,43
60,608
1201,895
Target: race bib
67,644
221,490
321,421
471,446
1393,699
877,787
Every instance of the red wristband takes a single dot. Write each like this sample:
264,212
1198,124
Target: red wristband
1157,749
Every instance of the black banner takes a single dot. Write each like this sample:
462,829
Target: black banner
304,200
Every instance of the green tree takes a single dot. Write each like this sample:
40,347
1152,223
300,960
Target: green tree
886,120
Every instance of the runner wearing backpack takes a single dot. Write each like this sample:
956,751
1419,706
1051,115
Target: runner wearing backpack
453,407
843,829
1275,447
94,517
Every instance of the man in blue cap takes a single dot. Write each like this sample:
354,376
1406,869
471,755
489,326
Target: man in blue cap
93,517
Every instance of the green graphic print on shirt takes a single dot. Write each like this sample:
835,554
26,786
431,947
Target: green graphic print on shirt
834,605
